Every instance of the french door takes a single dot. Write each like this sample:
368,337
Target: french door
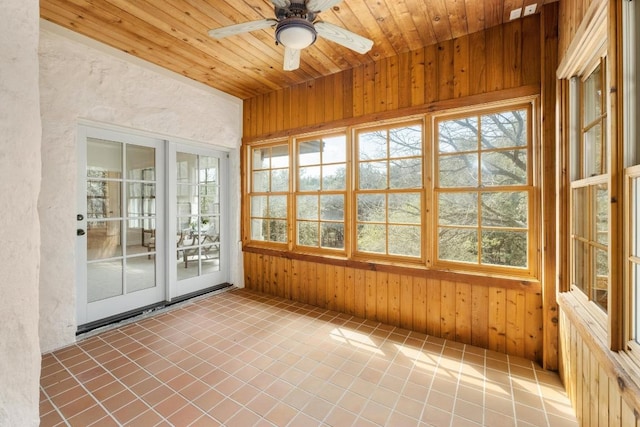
152,222
119,223
198,237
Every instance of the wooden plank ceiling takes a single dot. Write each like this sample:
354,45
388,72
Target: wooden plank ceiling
173,34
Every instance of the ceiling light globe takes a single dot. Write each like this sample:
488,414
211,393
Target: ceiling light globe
295,33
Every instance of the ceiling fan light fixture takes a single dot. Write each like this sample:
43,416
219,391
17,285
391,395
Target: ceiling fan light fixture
295,33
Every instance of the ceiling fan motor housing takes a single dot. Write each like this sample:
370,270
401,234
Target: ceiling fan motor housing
296,33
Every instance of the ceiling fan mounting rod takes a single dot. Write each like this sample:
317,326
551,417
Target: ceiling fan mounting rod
298,8
295,10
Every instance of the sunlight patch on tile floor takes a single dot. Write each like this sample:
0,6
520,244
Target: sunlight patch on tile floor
239,358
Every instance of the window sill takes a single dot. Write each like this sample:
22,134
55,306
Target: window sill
479,278
583,317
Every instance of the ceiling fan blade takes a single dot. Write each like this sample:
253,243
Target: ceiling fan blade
291,59
343,37
281,3
245,27
320,5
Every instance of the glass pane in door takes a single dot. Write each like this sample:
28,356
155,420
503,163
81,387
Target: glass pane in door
104,224
120,242
103,239
141,273
141,212
104,279
198,215
141,163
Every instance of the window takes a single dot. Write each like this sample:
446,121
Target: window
376,192
633,248
321,192
269,192
389,190
589,189
484,189
631,38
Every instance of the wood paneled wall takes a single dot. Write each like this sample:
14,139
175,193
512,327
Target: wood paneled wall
597,393
505,317
503,57
501,62
571,14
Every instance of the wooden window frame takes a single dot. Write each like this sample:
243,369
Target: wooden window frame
298,192
632,259
252,193
532,270
630,60
357,191
600,120
585,292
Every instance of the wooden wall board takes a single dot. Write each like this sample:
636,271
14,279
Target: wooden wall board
393,299
418,305
448,318
431,77
446,72
515,323
382,297
513,38
460,311
497,319
535,330
463,313
480,316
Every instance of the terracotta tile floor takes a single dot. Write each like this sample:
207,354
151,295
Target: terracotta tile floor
244,359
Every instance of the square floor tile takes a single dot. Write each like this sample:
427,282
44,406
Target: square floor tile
239,358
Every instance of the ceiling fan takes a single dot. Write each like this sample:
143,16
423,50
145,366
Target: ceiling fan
297,28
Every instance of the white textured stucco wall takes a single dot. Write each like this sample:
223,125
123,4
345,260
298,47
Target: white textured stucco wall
80,79
19,186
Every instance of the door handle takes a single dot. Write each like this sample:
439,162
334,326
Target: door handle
80,232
